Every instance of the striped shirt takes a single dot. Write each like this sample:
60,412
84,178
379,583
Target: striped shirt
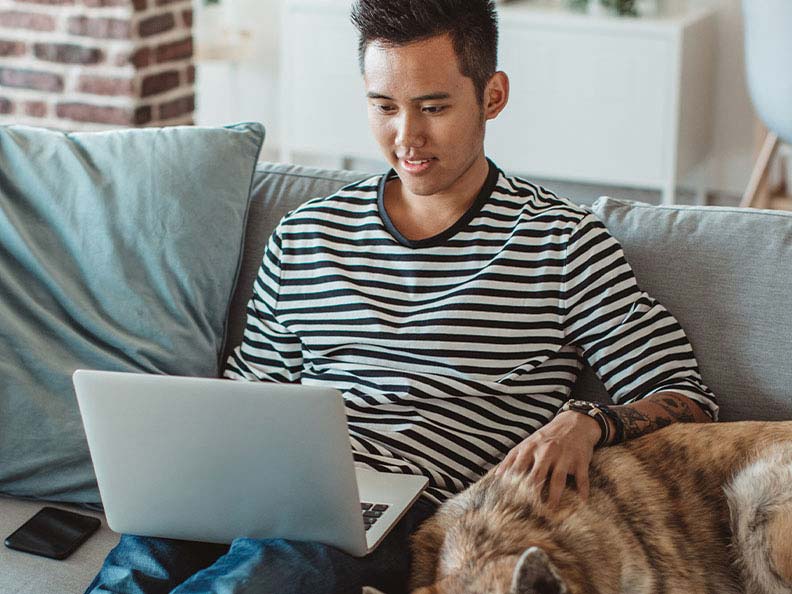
451,350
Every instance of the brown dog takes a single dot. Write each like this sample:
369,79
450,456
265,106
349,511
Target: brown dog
687,509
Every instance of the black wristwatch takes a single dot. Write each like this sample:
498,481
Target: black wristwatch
600,413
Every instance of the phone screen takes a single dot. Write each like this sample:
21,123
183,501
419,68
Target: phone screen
53,532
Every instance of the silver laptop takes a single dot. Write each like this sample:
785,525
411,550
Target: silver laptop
212,460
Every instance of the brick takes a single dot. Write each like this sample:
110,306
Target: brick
140,5
31,79
177,107
187,17
140,58
36,109
159,83
191,73
98,114
166,2
156,24
100,28
105,85
12,48
143,115
6,105
177,50
16,19
68,53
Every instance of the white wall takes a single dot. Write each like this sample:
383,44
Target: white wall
246,90
249,90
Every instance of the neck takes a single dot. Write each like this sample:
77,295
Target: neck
419,216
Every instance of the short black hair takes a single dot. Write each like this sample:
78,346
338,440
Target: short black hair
471,24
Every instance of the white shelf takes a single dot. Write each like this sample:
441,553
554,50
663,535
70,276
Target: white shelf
673,14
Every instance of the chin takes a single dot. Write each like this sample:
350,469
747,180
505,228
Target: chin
423,185
421,189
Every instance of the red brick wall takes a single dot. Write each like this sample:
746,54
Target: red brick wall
96,64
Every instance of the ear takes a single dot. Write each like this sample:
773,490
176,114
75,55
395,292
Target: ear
536,574
496,95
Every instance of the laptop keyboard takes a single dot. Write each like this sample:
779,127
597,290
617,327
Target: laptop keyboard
372,512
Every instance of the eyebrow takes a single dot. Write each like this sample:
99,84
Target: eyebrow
429,97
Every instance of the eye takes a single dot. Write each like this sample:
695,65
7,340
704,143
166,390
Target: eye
384,108
433,109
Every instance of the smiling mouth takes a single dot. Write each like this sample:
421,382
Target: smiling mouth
416,165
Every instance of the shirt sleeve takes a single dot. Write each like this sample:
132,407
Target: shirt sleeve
633,344
269,351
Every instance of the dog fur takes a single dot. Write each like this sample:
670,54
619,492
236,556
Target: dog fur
688,509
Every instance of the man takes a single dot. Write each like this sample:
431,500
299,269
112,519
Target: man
452,305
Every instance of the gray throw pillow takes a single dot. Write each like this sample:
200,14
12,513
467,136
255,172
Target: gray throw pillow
119,251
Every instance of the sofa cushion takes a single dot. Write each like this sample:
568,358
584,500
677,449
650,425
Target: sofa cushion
726,274
119,251
30,574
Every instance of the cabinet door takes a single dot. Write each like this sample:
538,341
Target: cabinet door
585,105
326,108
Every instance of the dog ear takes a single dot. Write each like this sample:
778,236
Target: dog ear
536,574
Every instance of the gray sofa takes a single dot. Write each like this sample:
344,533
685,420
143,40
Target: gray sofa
725,273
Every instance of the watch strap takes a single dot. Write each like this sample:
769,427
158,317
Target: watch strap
593,410
618,424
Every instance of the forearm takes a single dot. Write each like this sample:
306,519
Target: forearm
657,411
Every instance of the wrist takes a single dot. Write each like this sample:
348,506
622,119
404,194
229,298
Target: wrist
596,435
607,428
584,427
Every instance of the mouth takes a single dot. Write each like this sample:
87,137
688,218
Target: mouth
415,166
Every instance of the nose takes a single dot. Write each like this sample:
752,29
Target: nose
409,131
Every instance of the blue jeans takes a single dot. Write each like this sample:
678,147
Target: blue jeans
139,565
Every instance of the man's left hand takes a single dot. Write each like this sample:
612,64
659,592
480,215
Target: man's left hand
564,447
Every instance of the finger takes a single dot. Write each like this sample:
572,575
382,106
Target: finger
507,462
557,484
582,480
539,472
520,459
524,461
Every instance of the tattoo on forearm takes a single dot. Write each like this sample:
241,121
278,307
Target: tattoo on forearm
637,423
653,413
677,408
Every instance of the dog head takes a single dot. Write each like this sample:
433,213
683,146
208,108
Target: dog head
532,572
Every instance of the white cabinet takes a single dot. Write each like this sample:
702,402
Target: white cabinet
621,101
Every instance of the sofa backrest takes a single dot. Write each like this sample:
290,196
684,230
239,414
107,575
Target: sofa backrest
725,273
277,190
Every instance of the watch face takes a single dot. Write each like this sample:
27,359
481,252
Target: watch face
581,405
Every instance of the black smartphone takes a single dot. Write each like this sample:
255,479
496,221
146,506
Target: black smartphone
53,532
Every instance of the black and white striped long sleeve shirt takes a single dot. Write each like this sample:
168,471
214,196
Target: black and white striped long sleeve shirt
451,350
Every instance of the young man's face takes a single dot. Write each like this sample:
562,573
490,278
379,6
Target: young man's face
425,114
